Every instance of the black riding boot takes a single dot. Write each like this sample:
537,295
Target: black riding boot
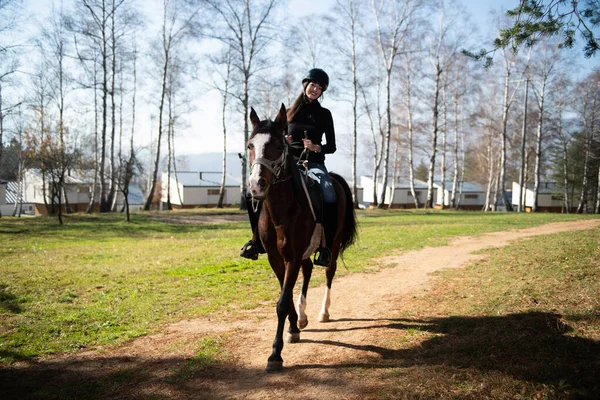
323,254
253,246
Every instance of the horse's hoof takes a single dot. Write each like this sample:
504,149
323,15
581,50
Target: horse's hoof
323,317
292,337
302,323
274,366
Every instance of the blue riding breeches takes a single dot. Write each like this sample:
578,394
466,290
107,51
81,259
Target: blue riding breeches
318,172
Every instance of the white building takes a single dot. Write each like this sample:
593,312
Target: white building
78,192
190,189
10,193
548,199
402,194
472,196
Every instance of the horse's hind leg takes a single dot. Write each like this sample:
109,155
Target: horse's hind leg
307,267
329,273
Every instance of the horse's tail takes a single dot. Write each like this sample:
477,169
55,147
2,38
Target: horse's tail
349,233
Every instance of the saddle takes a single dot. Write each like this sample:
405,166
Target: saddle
306,188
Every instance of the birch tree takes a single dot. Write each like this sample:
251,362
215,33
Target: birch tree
522,182
350,25
10,15
246,27
177,25
589,112
410,126
547,67
393,20
442,53
507,102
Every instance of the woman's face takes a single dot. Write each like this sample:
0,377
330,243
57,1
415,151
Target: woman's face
313,91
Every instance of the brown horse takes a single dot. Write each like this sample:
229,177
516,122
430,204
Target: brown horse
287,227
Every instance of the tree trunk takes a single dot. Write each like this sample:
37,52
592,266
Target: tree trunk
444,134
90,208
411,166
165,71
565,160
538,148
455,150
505,107
112,193
520,205
388,134
434,137
589,134
245,99
104,204
488,193
225,94
354,108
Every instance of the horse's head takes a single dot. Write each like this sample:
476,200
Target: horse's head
268,151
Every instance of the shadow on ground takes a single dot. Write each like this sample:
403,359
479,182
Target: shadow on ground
534,348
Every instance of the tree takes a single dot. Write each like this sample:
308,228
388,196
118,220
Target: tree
443,52
177,26
389,39
94,28
589,112
223,87
537,19
548,68
508,100
410,128
350,24
245,28
9,62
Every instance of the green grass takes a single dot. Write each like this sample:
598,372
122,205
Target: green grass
522,323
98,280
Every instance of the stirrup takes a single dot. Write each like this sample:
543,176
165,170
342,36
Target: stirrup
249,250
322,256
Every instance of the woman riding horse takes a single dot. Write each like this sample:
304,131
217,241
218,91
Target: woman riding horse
307,122
286,225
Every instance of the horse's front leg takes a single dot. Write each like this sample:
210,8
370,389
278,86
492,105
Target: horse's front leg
307,267
275,362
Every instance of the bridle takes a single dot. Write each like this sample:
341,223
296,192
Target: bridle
276,167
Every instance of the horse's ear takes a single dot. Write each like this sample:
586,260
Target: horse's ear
281,118
253,117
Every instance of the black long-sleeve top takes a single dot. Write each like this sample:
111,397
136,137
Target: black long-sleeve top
316,121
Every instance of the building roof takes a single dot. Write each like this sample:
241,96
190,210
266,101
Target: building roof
12,192
545,187
468,187
204,179
73,177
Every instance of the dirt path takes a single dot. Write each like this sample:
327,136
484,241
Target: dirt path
361,310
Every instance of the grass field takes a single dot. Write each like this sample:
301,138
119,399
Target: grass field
98,280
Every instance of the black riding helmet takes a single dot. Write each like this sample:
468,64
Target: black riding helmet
317,75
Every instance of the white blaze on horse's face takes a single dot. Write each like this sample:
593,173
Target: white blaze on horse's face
259,142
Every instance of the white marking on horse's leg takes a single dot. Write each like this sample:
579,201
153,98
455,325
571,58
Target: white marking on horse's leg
302,318
324,314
